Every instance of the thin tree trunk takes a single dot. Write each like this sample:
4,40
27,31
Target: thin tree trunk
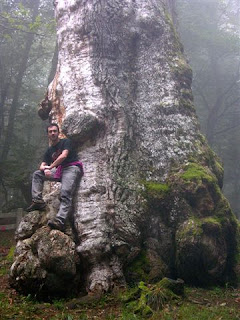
2,104
214,109
18,86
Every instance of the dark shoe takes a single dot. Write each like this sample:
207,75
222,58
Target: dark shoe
36,206
56,224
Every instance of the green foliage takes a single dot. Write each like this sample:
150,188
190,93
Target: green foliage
160,294
59,304
3,271
195,312
146,300
10,255
17,17
142,306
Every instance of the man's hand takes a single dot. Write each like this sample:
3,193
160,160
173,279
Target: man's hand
46,167
47,172
43,166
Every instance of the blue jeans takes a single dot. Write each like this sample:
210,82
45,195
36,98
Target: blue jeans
70,177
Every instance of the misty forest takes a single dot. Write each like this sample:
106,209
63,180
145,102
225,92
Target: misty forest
148,92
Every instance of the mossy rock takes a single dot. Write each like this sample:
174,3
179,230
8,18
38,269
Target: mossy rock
176,286
158,267
189,229
139,269
205,251
198,187
191,206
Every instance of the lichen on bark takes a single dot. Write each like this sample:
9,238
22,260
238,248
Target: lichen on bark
122,92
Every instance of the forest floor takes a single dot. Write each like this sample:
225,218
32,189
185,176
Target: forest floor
198,304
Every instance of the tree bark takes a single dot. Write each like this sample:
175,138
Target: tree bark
53,65
125,88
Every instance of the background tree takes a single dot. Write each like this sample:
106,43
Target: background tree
27,40
210,34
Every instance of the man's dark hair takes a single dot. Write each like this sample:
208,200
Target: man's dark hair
52,125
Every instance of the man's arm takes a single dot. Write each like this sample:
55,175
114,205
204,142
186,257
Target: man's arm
59,159
56,163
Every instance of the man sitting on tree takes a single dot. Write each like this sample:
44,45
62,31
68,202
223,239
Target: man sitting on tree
60,163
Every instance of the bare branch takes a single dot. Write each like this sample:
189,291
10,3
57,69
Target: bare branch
201,94
236,78
226,129
24,31
228,106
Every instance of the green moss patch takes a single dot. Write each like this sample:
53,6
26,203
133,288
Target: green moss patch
212,221
182,69
139,269
190,228
156,190
10,255
186,103
196,172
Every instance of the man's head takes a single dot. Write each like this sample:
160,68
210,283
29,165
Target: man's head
53,133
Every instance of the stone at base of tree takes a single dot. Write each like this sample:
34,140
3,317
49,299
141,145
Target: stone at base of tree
46,265
176,286
85,300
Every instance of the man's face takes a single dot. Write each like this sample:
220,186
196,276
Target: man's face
53,134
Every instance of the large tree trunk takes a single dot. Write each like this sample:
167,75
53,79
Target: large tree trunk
151,184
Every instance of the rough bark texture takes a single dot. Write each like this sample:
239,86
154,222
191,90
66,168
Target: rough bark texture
149,204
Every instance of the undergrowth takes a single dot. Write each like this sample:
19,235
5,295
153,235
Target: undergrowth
196,304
